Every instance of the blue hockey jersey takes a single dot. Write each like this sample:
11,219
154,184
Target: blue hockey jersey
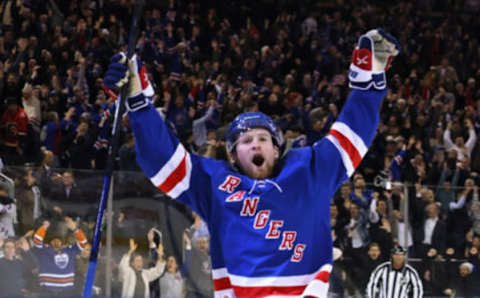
57,268
269,237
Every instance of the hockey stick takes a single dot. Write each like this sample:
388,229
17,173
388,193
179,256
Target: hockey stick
113,148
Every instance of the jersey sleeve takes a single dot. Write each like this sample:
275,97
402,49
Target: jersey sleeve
338,154
39,236
167,163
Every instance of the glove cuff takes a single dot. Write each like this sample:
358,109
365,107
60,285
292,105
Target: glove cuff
366,80
139,102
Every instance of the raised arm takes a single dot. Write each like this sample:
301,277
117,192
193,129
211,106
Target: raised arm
77,233
342,150
159,153
40,234
153,273
472,136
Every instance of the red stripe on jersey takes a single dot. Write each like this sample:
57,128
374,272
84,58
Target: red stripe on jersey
143,77
323,276
175,177
348,147
221,284
267,291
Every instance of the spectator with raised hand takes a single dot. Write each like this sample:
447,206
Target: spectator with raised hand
197,263
135,279
381,221
172,283
57,260
463,149
361,195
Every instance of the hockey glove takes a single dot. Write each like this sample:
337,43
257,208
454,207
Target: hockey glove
371,58
140,90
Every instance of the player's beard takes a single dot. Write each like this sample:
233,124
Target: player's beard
259,171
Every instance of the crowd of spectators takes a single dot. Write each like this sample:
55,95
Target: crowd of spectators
209,61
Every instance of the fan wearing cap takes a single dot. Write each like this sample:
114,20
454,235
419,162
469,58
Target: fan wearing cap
395,278
268,211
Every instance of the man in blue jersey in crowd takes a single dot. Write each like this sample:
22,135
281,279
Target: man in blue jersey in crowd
267,210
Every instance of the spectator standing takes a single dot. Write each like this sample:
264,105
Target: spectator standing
395,278
135,279
31,105
127,155
29,202
361,195
172,283
464,283
14,126
463,149
381,219
8,212
431,237
12,282
198,265
81,267
57,261
66,195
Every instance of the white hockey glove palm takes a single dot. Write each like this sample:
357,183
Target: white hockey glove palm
140,90
372,56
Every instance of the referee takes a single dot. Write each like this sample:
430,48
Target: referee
395,279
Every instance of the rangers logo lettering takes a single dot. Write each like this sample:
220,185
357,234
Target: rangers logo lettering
236,197
262,218
249,206
273,232
288,239
230,183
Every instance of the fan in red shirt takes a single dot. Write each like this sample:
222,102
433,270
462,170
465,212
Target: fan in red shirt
14,131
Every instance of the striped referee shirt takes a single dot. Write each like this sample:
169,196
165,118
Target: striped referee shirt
386,282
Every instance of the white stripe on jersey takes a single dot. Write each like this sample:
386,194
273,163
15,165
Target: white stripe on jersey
58,285
170,166
183,184
347,162
355,139
66,275
176,182
286,281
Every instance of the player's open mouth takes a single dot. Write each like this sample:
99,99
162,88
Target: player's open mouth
258,160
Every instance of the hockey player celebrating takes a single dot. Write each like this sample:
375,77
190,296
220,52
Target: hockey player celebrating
267,212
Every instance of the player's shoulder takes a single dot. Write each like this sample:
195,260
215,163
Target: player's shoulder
294,154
